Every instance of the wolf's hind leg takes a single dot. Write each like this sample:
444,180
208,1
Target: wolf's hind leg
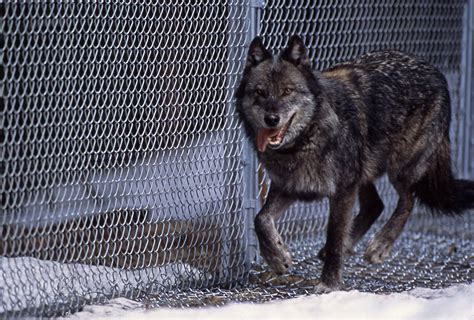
272,248
371,206
407,165
380,246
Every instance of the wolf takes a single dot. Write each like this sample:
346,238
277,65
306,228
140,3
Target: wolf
331,134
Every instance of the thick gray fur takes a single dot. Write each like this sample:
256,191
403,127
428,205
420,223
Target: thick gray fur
385,112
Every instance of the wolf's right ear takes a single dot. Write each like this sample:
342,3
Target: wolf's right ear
257,53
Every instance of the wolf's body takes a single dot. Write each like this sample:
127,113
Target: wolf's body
331,134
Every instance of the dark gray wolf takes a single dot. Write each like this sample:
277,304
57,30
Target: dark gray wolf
332,133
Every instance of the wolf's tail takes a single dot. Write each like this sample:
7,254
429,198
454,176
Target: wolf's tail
439,190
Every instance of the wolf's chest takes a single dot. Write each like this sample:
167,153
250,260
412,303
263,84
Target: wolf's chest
301,175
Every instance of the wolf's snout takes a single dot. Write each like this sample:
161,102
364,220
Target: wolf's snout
272,120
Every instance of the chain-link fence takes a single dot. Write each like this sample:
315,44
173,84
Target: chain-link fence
124,169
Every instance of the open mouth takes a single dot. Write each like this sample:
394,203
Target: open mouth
272,137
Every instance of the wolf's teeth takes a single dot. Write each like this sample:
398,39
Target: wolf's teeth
277,138
275,141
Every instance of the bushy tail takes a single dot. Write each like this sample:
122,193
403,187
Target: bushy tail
439,190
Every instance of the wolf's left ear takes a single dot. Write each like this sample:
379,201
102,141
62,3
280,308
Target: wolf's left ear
296,52
257,53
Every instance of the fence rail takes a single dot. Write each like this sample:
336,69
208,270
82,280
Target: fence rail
124,168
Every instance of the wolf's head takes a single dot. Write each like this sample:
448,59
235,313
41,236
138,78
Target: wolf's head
277,96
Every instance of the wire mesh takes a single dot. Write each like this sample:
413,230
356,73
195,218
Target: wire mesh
431,257
120,148
123,165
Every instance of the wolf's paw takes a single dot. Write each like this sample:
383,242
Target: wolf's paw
322,253
378,250
322,288
277,255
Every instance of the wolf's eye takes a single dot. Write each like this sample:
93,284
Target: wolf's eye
287,91
260,92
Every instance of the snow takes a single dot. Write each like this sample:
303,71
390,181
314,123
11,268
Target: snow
35,283
27,282
456,302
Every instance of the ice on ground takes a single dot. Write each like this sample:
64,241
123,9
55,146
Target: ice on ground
456,302
27,282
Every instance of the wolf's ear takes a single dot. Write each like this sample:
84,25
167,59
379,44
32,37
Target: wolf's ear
257,53
296,52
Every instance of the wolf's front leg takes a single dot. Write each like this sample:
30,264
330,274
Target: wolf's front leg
272,248
338,234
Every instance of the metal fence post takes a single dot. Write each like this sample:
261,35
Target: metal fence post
466,129
234,264
251,205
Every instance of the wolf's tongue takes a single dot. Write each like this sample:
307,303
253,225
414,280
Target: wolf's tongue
262,138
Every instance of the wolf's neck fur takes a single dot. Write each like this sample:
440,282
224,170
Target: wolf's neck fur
331,140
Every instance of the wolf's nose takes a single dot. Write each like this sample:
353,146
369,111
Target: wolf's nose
272,120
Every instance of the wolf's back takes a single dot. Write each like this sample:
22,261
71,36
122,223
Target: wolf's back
407,106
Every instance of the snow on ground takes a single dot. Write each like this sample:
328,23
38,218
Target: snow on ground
456,302
27,282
